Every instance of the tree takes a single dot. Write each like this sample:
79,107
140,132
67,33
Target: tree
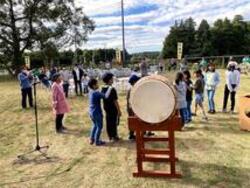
33,24
203,39
224,37
180,32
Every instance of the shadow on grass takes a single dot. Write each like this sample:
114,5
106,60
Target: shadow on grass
214,175
39,159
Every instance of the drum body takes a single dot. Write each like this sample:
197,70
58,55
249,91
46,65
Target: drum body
153,99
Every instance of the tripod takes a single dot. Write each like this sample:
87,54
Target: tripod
38,148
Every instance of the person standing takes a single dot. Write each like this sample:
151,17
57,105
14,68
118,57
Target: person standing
143,68
95,111
212,79
85,81
77,75
232,84
65,77
132,81
199,92
189,94
25,78
181,89
60,105
111,107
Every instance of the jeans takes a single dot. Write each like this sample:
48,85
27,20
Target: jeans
184,114
97,127
189,110
210,95
27,92
232,97
59,121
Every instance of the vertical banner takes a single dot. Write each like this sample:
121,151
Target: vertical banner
27,61
118,56
179,50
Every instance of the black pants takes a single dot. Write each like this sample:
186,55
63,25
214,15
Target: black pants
112,123
27,93
78,83
59,121
66,89
232,97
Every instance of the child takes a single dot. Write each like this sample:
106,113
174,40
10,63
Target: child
85,81
132,80
199,90
111,107
212,79
181,90
189,94
60,105
95,111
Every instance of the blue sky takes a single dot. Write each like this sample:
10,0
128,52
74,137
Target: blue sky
148,21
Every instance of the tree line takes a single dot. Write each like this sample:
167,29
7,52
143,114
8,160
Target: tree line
223,37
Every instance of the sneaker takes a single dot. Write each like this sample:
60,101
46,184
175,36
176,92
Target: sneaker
100,143
91,141
64,128
59,131
224,111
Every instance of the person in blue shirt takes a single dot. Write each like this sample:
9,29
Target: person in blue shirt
95,111
25,79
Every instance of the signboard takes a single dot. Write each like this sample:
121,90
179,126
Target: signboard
27,61
118,56
179,50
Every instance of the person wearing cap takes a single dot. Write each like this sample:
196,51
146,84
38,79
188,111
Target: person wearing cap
111,107
77,75
212,79
59,102
132,81
232,62
25,78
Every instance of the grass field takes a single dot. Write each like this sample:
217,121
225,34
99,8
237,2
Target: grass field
213,154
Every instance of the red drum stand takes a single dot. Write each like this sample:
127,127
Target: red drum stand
166,155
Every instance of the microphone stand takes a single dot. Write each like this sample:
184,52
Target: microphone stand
38,148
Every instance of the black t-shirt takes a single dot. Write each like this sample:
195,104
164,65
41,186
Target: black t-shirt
189,95
109,103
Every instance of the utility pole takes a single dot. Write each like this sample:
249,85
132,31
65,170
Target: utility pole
123,35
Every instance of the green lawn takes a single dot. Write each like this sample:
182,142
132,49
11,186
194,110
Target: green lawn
213,154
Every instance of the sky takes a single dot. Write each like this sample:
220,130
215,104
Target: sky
147,22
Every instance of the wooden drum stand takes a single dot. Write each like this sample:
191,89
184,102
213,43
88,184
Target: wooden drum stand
149,155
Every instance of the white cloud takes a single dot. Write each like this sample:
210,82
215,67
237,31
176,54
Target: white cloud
146,30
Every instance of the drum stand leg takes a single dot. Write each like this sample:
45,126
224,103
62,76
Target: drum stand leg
143,156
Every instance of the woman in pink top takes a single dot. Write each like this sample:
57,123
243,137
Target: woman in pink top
60,105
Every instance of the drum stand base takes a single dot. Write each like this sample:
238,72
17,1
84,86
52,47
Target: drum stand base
166,155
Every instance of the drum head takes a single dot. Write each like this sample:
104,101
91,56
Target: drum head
153,100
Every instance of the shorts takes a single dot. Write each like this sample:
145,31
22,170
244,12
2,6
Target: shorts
199,98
